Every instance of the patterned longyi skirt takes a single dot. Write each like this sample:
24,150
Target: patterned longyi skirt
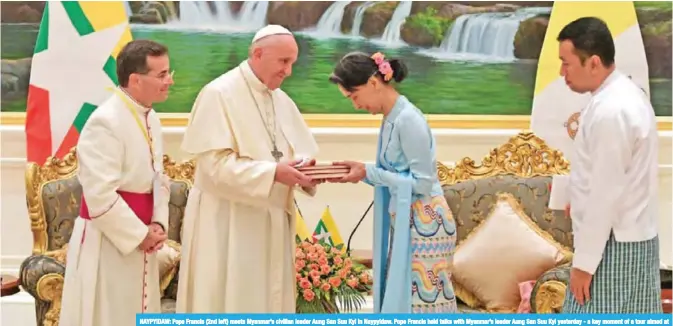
433,242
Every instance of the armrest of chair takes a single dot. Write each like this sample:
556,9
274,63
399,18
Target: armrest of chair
550,289
171,290
169,268
42,276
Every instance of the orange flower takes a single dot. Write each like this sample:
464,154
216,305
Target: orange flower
335,281
338,260
364,278
298,276
322,260
352,282
325,269
316,282
305,245
343,273
299,264
300,255
314,267
314,274
325,287
309,295
304,283
346,268
335,251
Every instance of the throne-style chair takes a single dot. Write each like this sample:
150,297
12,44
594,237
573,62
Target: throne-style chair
53,195
507,237
511,184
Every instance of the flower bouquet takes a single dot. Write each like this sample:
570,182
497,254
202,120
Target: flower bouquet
325,275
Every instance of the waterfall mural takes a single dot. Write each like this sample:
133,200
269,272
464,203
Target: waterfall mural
359,16
464,57
391,35
330,21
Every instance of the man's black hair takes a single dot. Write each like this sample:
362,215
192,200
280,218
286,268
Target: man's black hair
132,59
590,36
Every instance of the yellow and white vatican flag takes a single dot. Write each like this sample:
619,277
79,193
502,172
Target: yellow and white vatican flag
556,109
303,232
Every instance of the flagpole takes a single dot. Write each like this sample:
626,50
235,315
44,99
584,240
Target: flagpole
298,210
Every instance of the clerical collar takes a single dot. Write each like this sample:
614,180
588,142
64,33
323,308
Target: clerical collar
141,108
611,77
250,76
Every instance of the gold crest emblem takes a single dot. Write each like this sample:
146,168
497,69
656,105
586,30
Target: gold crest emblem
573,124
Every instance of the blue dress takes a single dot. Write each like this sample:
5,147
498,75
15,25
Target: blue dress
412,256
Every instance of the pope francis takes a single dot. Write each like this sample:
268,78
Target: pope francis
246,135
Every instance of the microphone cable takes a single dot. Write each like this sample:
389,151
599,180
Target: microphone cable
350,237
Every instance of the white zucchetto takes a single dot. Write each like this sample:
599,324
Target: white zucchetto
269,30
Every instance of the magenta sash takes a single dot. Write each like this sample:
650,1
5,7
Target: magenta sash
142,204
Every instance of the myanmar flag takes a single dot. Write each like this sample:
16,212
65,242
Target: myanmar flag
327,231
556,109
72,70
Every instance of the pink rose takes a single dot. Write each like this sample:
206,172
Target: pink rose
304,283
309,295
385,68
334,281
325,269
378,58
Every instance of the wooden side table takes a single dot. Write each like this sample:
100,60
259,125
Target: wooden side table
10,285
363,257
667,300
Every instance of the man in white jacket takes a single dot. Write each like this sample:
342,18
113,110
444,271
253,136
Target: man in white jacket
613,181
112,271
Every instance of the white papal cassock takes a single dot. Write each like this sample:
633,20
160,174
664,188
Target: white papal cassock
108,279
239,227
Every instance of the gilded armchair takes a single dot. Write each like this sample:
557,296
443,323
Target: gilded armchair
522,169
53,197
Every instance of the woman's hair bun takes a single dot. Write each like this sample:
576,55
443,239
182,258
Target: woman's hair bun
399,70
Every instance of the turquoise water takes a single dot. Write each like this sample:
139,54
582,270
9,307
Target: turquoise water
436,87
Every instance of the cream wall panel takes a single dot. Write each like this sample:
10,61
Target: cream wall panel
347,202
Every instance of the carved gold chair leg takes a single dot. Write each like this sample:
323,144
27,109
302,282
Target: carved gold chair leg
50,289
550,297
549,291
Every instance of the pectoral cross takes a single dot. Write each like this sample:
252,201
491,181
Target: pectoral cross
276,153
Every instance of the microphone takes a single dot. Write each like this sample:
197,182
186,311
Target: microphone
350,237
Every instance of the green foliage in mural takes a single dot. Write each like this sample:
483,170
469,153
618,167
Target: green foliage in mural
430,23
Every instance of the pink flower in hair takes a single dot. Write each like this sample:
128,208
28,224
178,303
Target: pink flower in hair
386,70
378,58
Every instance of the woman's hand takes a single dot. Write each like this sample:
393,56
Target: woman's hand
357,172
